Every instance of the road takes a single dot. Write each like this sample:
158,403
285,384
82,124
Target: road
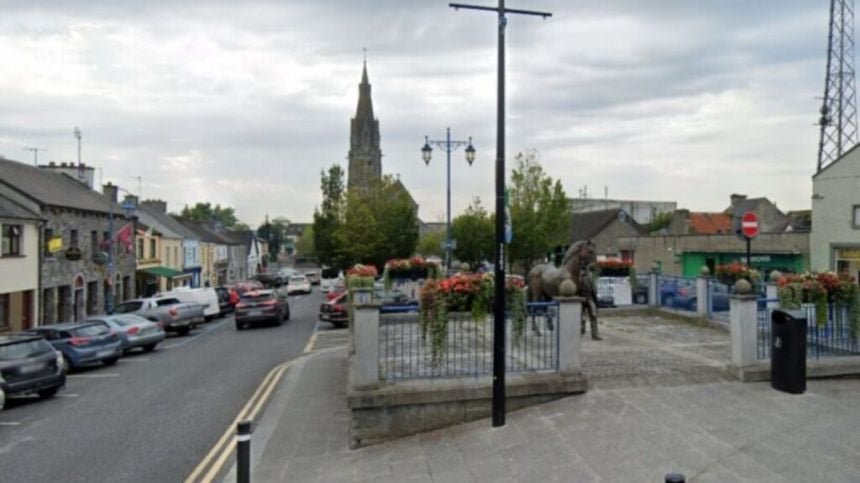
151,417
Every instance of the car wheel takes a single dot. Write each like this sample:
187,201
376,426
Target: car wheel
641,298
110,361
239,325
149,347
67,365
287,317
183,331
669,301
279,320
48,393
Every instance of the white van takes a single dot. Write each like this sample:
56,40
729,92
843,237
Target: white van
205,296
330,277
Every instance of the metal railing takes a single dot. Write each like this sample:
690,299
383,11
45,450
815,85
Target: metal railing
465,349
616,288
832,339
677,292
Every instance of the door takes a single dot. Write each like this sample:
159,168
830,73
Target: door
78,312
27,311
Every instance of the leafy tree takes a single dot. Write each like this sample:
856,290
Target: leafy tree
474,231
431,244
540,211
660,221
329,218
305,243
212,215
381,223
275,233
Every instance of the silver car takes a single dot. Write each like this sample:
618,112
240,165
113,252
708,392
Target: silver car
134,331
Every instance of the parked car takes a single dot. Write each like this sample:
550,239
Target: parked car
270,280
224,300
298,284
394,298
205,296
329,277
313,276
82,343
262,306
29,365
247,286
335,311
134,331
173,314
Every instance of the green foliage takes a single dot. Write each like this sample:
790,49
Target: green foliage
305,243
212,215
380,223
431,244
660,221
540,211
275,234
475,235
329,219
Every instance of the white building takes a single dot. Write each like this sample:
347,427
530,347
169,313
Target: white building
19,267
835,240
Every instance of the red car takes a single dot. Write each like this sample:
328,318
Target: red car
334,311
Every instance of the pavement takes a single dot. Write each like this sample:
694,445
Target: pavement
659,402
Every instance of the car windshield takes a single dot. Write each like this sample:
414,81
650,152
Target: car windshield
90,330
127,307
23,349
329,273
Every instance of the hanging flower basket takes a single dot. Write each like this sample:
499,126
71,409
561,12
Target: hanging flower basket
731,273
613,267
415,268
821,289
361,276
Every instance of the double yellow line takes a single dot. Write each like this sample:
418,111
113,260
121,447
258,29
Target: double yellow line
227,443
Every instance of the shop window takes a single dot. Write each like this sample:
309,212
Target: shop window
11,240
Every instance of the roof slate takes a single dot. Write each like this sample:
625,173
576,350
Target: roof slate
590,224
53,189
11,209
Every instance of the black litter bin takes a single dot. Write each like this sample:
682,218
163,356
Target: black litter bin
788,351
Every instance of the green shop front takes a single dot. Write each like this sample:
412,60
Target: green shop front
693,262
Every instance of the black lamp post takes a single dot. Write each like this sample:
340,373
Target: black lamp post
499,306
449,146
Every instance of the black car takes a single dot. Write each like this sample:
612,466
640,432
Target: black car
262,306
270,280
30,365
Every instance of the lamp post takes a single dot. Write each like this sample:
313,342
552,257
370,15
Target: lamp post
449,146
499,306
128,208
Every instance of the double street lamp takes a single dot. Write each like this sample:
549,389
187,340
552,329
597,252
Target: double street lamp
448,146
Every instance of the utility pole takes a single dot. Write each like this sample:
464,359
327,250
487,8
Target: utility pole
35,154
499,305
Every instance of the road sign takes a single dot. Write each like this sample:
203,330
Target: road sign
749,225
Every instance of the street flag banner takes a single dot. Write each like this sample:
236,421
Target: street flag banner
509,225
123,236
55,244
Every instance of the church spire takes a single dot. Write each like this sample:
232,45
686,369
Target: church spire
364,111
365,155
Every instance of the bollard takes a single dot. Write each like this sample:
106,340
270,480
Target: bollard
675,478
243,452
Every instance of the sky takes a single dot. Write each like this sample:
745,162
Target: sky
244,103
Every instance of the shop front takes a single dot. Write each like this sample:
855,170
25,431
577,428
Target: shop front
847,260
763,262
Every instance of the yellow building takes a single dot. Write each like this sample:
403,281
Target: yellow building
159,261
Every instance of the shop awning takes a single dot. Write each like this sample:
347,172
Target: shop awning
161,272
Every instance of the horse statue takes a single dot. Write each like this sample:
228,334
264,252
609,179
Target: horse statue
579,259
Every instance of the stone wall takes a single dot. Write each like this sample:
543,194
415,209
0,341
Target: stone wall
608,240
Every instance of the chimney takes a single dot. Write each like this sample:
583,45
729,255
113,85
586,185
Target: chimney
159,205
110,191
736,198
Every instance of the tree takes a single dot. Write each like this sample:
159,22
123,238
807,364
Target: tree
540,212
431,243
474,231
275,234
660,221
329,218
305,244
212,216
381,223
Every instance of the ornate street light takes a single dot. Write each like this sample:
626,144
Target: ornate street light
449,146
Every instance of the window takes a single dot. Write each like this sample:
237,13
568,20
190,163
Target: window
176,256
4,310
855,211
11,240
94,241
73,238
152,252
48,235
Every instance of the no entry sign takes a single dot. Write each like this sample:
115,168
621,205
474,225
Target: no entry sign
749,225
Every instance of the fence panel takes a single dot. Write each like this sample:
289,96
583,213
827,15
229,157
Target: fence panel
465,348
834,338
618,288
677,292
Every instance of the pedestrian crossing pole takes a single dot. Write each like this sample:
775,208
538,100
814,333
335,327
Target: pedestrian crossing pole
499,305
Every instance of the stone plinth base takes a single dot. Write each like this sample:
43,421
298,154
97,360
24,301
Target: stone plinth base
410,407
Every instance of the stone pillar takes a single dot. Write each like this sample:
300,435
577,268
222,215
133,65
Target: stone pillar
772,295
744,320
702,296
653,290
569,338
365,372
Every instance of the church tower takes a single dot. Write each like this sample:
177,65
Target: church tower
365,157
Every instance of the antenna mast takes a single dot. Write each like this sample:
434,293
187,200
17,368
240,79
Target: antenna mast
838,119
35,154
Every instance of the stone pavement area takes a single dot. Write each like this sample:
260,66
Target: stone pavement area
652,410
